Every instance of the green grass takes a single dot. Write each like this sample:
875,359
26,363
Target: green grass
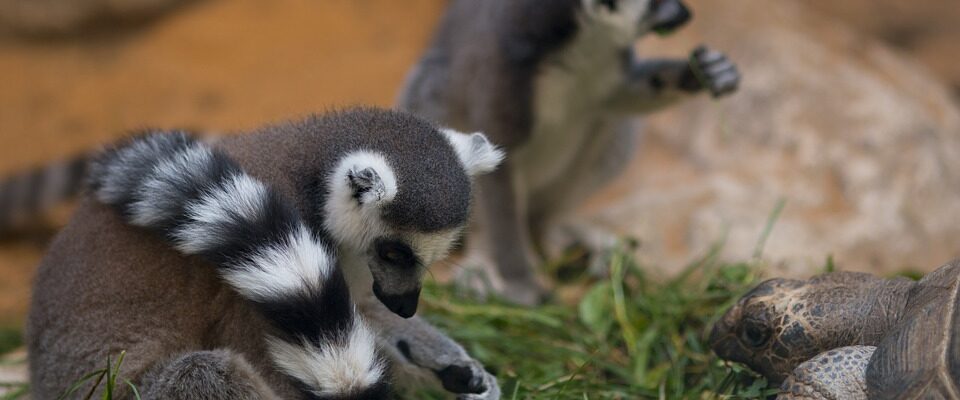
107,377
10,339
629,336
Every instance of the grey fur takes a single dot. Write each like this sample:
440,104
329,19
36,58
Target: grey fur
207,375
509,68
105,286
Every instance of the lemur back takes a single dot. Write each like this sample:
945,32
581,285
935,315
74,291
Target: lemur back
256,207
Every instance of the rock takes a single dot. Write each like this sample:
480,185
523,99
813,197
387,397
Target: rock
861,143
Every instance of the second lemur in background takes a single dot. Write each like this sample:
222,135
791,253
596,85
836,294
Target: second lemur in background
557,84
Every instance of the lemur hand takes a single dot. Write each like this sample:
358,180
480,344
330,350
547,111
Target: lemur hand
457,372
714,71
415,346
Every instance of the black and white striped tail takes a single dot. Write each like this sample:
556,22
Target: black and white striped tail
27,195
204,204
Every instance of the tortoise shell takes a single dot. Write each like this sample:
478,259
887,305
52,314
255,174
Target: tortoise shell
920,356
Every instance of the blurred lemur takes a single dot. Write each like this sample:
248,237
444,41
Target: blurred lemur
556,83
273,265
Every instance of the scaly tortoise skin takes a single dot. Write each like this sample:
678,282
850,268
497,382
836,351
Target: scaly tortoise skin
847,335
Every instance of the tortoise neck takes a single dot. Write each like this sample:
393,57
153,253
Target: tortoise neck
885,302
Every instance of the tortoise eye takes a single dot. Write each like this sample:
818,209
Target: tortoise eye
754,335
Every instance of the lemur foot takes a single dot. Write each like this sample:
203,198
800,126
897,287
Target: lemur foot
480,278
714,71
598,243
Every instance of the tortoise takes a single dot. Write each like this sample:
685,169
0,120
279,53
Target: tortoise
848,335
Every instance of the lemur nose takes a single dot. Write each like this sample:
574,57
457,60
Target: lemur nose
404,304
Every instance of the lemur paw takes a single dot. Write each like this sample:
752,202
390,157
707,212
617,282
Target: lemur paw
488,388
481,279
469,381
587,241
714,71
456,371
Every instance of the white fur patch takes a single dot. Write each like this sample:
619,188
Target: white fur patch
351,221
333,369
239,197
433,246
299,264
155,189
622,25
476,153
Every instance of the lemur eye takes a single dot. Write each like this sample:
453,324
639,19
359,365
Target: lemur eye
610,4
396,253
755,335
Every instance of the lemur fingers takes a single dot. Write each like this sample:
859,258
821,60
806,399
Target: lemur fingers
491,391
204,204
457,372
415,342
715,71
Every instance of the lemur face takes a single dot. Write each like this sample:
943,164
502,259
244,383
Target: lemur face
634,18
364,207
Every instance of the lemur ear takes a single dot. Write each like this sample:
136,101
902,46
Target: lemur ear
366,178
367,185
476,153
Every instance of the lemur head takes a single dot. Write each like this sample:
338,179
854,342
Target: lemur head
633,18
398,201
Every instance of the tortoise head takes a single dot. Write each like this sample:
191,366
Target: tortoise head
760,331
784,322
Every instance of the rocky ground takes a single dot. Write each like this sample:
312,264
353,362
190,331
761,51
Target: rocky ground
857,137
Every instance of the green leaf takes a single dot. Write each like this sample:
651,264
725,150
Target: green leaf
596,308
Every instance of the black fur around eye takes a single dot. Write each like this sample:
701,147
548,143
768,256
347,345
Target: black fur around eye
396,253
610,4
755,335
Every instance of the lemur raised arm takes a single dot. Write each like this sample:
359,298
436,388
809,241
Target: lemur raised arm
556,83
390,191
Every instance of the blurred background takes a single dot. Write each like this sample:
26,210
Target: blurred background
845,135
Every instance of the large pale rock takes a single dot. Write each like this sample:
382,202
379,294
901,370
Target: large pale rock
862,144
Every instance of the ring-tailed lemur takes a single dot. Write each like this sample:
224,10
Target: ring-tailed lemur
382,193
201,201
557,83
